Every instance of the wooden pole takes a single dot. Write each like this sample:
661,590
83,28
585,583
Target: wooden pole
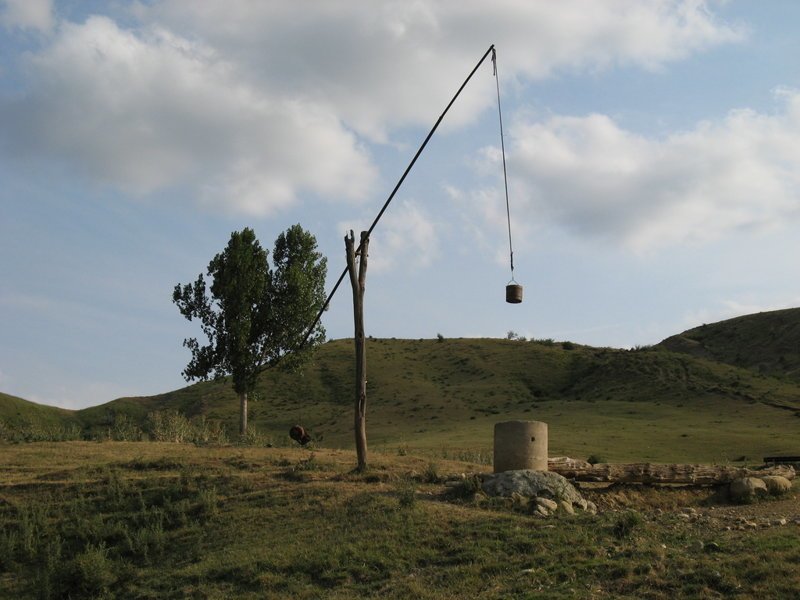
358,275
243,414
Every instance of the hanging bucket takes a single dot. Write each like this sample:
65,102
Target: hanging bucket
513,293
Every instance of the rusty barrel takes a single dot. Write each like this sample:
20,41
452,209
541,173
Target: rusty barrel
513,293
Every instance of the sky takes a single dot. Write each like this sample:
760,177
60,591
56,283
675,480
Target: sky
653,158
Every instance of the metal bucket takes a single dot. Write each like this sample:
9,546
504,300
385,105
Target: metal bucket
513,293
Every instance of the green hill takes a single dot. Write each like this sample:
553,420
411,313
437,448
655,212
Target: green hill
688,399
24,420
767,342
16,411
446,396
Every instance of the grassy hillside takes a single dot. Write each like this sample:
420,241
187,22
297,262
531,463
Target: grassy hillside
687,399
16,411
767,342
445,396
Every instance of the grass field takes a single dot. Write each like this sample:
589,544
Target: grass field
151,520
218,518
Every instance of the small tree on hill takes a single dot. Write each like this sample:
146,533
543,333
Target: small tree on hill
255,316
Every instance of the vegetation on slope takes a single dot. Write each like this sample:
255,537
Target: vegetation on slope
652,404
27,421
15,410
767,342
646,404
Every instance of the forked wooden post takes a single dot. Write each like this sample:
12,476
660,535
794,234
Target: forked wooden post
358,277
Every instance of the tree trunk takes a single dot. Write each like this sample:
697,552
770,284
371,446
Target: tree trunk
358,277
243,414
654,473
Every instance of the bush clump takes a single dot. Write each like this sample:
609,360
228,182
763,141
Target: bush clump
626,523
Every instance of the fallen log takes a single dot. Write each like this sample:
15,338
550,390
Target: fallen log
660,473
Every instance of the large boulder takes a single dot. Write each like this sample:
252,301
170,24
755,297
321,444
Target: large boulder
552,489
777,484
747,489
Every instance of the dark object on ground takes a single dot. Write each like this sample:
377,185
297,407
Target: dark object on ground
299,435
782,460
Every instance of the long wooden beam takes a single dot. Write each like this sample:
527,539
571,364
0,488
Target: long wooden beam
660,473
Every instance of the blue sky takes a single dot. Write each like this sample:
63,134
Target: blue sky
653,156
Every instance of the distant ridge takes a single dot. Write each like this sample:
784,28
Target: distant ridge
14,410
766,342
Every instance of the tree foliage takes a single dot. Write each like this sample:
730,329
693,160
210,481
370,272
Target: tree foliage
254,315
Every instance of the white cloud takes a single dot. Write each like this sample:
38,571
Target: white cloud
596,179
387,64
146,110
27,14
482,216
407,237
251,104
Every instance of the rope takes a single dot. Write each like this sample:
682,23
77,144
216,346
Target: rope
503,148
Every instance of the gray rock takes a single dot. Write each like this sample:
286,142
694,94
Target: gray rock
548,504
533,484
566,507
746,489
777,484
519,500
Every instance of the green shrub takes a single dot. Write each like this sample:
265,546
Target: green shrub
91,573
208,502
9,542
29,431
466,488
169,426
626,523
431,473
407,494
208,433
254,438
125,429
50,570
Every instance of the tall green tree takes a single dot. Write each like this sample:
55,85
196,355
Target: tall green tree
255,316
